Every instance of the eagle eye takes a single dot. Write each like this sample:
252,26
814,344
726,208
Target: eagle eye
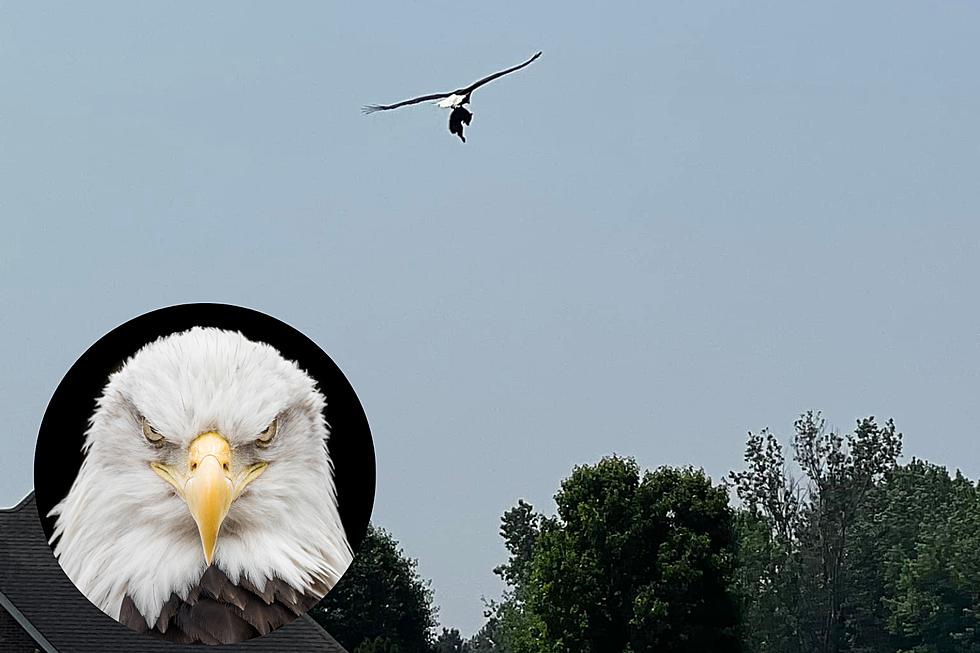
151,434
265,437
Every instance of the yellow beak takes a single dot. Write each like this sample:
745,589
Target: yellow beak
209,486
209,490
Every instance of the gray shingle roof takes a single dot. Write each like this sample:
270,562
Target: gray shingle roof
32,580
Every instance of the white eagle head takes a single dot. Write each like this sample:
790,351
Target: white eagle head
205,448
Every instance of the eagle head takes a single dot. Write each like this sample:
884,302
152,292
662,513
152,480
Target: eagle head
207,452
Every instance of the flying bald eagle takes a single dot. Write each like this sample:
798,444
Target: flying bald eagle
205,509
452,100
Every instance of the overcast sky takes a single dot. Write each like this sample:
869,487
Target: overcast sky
681,223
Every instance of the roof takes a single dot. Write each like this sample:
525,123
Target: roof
38,595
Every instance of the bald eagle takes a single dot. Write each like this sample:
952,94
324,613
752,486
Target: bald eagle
452,100
205,509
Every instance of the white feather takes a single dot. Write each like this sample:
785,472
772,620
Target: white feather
123,530
451,102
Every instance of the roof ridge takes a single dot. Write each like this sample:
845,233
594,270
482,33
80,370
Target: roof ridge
26,624
23,502
320,630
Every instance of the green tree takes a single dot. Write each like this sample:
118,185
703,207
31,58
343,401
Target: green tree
798,578
483,641
377,645
910,502
766,584
768,570
630,563
936,604
510,627
449,641
381,602
519,527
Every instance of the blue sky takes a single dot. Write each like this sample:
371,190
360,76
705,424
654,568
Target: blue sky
681,223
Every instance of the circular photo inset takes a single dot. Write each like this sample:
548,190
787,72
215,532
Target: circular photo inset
204,473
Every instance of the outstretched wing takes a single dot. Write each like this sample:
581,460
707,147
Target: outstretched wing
371,108
472,87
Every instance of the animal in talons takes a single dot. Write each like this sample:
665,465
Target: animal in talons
205,509
457,118
453,100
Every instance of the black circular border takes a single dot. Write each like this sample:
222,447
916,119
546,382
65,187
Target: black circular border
66,418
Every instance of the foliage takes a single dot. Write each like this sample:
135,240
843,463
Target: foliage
839,549
449,641
936,603
630,563
484,641
901,510
511,628
377,645
797,569
381,603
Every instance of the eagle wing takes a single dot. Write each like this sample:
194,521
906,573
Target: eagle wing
371,108
489,78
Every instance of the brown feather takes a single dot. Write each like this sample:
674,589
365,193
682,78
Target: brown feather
216,611
167,613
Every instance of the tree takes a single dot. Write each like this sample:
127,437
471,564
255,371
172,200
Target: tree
519,527
380,603
510,627
935,607
799,532
484,641
377,645
901,512
768,571
629,564
766,585
449,641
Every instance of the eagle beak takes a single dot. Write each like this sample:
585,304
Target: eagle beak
209,487
209,490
